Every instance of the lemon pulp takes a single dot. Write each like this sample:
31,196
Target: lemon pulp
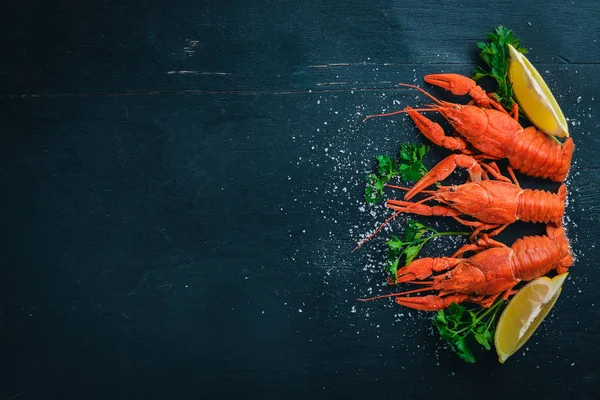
524,313
534,97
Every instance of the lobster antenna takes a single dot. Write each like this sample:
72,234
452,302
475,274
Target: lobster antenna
422,91
426,199
387,221
396,113
407,189
396,294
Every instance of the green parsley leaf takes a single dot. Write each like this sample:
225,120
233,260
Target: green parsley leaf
395,244
464,351
411,252
374,189
457,325
496,57
441,317
387,166
393,267
411,157
414,230
483,337
408,165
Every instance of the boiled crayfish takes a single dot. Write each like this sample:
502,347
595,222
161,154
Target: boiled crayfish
494,270
491,130
494,204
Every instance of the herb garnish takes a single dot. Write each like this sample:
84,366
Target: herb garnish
409,166
495,55
457,323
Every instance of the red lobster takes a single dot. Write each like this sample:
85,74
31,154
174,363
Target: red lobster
495,204
491,131
494,270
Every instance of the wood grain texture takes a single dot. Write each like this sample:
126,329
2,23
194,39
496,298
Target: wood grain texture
122,46
188,235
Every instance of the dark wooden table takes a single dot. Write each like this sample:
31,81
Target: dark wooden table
182,186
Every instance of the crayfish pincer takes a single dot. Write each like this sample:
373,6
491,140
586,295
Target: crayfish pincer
491,131
494,270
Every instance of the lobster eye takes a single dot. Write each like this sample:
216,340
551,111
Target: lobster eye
453,189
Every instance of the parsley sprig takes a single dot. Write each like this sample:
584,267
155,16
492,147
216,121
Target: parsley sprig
415,236
408,165
495,55
457,325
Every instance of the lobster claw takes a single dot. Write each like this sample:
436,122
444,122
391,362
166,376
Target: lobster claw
431,302
456,84
461,85
434,132
424,267
445,168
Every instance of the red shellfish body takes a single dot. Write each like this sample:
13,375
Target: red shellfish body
537,154
542,206
489,131
486,273
498,135
488,201
489,273
535,256
500,202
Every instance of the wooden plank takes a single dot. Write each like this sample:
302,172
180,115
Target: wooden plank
199,245
125,47
305,110
182,187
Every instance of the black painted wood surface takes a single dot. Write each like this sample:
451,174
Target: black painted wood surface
182,186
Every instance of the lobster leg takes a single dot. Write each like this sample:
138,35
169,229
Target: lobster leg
431,302
445,168
424,267
484,243
509,293
514,178
486,301
480,227
434,131
484,227
514,111
461,85
493,169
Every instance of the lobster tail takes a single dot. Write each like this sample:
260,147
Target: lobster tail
541,206
535,256
536,154
567,155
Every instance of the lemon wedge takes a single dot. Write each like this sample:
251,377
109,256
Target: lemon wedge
524,313
533,96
